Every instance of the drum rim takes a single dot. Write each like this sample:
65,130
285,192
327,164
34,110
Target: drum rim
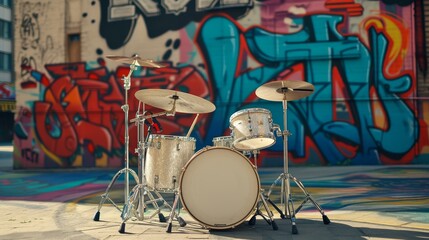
222,137
205,149
240,112
171,137
270,135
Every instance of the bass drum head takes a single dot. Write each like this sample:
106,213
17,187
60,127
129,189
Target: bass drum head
219,187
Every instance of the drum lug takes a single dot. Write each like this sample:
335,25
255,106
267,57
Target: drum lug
158,145
178,146
156,179
174,181
277,130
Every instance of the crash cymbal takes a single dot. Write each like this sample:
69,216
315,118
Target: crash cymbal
164,99
284,90
135,59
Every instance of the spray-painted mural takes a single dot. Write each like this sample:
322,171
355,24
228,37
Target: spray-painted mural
358,55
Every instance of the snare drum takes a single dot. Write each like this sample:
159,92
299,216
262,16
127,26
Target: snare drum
165,158
252,129
219,187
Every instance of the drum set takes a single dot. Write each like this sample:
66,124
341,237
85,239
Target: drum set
218,186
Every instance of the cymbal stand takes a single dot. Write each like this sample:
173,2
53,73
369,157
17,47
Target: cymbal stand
136,205
127,170
269,218
285,177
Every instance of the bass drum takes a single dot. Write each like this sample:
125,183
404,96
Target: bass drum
219,187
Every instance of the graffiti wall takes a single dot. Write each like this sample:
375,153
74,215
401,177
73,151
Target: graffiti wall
358,55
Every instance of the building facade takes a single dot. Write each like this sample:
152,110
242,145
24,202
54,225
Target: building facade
7,88
364,58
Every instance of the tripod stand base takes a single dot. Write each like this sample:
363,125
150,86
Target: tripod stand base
252,221
326,220
294,229
136,205
97,216
286,198
105,195
122,228
161,218
269,219
174,215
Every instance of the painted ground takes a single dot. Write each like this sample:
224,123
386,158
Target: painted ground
398,192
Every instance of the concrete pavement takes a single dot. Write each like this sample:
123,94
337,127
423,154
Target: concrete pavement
362,202
54,220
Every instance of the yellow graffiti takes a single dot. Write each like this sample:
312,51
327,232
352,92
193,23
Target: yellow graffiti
52,156
397,37
7,106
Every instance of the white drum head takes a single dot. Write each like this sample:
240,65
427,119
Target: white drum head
254,143
219,187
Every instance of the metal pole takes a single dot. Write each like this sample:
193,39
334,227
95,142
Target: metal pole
125,108
286,184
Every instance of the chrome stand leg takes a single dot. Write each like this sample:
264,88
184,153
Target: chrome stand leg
285,177
105,195
309,197
270,216
174,215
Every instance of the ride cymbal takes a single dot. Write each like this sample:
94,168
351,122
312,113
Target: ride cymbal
137,60
164,99
284,90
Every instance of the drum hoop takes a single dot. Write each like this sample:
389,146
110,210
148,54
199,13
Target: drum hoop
171,137
208,148
222,138
240,112
269,135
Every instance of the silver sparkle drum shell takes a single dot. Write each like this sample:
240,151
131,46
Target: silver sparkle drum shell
227,141
252,129
223,141
219,187
165,158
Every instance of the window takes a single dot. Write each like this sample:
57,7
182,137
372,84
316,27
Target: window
74,48
5,29
5,62
7,3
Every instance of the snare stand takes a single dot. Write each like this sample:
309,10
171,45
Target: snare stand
136,204
285,177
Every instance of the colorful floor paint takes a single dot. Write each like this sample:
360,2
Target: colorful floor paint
400,192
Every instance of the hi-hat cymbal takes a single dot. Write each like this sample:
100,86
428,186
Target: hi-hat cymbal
164,99
137,60
284,90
